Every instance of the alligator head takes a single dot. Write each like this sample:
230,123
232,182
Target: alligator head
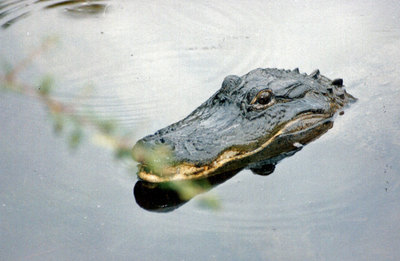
252,119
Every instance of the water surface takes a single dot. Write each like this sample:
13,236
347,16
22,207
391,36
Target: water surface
150,64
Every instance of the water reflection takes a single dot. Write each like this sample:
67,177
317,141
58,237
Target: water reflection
13,11
168,196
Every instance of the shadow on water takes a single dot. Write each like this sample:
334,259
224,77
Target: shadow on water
14,11
168,196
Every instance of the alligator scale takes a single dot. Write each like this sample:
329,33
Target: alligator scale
252,121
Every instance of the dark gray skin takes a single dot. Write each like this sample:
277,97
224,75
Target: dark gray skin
252,120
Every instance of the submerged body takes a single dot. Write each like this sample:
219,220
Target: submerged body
253,120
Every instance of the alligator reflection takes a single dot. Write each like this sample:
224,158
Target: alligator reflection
168,196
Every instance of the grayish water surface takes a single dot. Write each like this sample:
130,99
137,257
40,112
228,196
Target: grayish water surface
153,62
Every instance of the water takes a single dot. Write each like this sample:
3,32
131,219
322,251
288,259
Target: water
150,64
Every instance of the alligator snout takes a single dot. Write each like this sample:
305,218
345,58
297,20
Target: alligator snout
147,149
155,156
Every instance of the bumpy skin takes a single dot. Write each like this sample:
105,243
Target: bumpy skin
247,116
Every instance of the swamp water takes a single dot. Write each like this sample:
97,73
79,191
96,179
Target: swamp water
150,64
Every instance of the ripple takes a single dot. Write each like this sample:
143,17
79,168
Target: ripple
80,8
14,11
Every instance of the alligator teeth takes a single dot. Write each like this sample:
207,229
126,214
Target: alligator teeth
314,74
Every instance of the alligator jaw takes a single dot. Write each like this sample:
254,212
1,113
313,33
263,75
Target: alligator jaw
300,126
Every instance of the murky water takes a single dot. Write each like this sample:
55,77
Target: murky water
151,63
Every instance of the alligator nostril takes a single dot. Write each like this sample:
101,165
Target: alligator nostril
164,142
153,150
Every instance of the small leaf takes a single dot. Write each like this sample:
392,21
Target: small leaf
58,125
106,126
121,153
58,122
45,86
106,141
75,138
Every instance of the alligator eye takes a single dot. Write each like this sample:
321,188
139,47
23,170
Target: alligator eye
264,97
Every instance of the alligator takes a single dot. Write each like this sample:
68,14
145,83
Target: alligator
251,121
